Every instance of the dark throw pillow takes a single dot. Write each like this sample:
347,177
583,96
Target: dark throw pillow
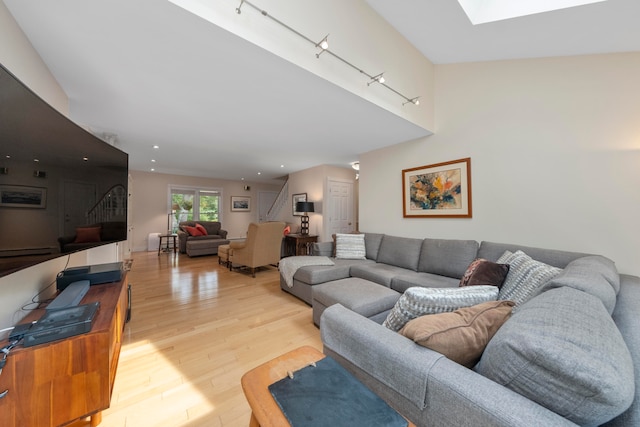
483,272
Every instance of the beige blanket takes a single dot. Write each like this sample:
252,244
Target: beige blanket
288,266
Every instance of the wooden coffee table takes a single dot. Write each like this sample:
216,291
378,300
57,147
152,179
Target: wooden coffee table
255,383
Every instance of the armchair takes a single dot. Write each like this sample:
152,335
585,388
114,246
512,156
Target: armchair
261,247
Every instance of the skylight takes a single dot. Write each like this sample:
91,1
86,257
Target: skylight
483,11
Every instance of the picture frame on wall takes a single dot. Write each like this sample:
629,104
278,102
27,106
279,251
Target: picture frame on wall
441,190
300,197
21,196
240,204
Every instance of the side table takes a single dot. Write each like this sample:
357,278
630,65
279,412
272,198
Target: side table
299,244
256,382
167,238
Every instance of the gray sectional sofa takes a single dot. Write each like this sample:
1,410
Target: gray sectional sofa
568,355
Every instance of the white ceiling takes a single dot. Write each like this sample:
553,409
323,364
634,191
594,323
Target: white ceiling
441,30
218,106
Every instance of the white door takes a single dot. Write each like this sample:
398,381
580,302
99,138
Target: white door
265,201
79,198
340,208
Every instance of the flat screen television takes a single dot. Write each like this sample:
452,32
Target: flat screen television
62,189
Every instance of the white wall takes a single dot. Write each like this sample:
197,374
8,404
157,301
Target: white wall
149,205
312,181
555,156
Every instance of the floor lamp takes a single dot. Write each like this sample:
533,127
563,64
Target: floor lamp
305,207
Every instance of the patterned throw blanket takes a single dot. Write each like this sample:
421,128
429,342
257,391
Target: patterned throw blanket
288,266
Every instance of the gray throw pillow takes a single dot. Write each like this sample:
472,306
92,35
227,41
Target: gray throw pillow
350,246
418,301
525,276
563,351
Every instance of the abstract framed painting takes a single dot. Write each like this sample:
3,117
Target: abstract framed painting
441,190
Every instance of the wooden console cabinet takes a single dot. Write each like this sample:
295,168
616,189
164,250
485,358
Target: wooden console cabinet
58,382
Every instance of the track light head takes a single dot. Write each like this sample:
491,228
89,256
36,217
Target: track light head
414,101
323,44
376,79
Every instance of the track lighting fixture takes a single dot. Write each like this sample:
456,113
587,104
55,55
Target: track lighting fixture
323,45
238,9
376,79
414,101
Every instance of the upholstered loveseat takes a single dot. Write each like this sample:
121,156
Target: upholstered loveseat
569,354
201,237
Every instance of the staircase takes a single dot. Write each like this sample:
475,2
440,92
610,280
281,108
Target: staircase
279,203
111,207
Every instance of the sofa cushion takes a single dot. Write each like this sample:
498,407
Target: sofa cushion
416,302
409,279
447,257
483,272
315,274
562,350
595,275
492,251
87,234
381,274
372,243
350,246
400,251
460,335
212,227
525,276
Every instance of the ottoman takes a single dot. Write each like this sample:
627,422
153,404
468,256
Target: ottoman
223,255
204,247
362,296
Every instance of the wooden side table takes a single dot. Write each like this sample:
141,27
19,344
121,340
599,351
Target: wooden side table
256,382
167,237
299,244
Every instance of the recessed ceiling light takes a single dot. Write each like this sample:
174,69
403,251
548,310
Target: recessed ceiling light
85,158
8,156
36,160
155,147
153,160
259,173
153,170
281,166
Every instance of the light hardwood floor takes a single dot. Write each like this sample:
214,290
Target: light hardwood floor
196,328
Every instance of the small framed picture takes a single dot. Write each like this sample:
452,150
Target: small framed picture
19,196
240,204
301,197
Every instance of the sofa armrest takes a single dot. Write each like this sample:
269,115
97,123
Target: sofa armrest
422,384
322,249
182,241
222,233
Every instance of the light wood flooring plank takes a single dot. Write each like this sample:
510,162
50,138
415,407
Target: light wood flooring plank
196,328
